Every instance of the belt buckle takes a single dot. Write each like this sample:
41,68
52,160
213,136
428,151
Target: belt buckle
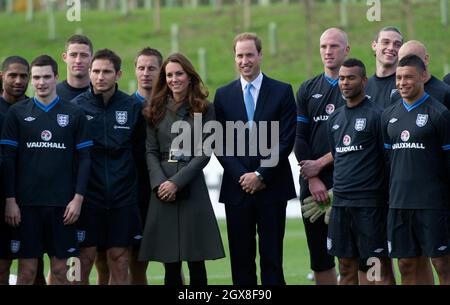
172,156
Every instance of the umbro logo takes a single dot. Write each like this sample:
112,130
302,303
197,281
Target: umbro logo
137,237
89,117
393,120
71,250
442,248
317,95
29,119
379,250
393,91
335,127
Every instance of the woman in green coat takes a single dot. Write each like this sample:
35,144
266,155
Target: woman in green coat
181,225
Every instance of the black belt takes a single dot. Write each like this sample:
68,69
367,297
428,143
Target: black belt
165,156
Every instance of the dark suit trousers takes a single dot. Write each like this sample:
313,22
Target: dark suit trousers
243,222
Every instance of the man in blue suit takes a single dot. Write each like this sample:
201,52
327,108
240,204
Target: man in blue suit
257,180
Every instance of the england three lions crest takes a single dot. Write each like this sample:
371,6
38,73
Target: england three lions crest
360,124
121,117
15,246
62,119
421,120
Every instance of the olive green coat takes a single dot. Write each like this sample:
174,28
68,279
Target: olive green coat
186,229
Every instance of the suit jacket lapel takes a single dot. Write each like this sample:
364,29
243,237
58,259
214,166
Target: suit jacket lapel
262,98
238,98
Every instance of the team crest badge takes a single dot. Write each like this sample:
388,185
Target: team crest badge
121,117
46,135
15,246
62,119
421,120
347,140
360,124
81,235
404,135
329,108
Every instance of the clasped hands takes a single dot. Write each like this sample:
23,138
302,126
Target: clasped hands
250,183
167,191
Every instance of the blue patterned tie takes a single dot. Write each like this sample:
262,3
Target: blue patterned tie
249,103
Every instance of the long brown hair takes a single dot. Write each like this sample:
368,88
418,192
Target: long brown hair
195,97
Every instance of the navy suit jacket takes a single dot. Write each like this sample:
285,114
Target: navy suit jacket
275,103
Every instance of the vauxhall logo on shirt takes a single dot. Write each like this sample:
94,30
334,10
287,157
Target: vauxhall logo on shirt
347,140
405,136
329,109
46,136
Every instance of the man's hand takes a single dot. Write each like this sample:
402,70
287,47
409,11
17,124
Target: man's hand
310,168
73,210
167,191
318,190
12,212
250,183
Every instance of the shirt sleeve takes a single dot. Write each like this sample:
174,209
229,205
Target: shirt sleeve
83,144
387,144
301,149
10,131
82,138
10,142
444,131
331,136
84,169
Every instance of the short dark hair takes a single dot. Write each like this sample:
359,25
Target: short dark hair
79,39
14,60
109,55
412,60
45,60
388,29
354,62
248,36
147,51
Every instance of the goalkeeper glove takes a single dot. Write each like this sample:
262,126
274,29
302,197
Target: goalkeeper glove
328,209
313,210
